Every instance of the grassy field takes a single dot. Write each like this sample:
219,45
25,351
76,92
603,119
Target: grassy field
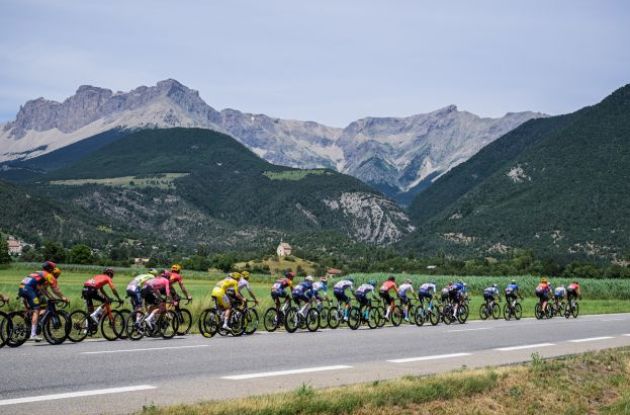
293,175
600,296
160,181
592,383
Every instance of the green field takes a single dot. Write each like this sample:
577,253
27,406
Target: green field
600,296
292,175
160,181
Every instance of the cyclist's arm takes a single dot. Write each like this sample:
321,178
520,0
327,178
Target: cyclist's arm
185,290
57,293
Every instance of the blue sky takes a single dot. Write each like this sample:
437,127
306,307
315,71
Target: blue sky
330,61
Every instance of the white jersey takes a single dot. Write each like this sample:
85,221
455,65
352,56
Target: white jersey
364,289
243,284
427,287
403,289
343,285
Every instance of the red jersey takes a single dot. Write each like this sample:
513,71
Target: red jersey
389,285
175,277
99,281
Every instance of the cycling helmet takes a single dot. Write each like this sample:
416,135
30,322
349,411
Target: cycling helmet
351,280
235,275
543,280
308,278
513,282
323,279
391,278
245,274
494,285
109,271
289,274
49,266
153,272
176,268
407,281
56,272
166,274
372,283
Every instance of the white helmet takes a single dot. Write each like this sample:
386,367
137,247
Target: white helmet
309,278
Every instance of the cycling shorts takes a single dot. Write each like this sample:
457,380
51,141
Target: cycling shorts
425,294
341,296
571,294
455,296
151,297
89,294
136,297
278,294
385,296
362,299
488,297
404,300
31,296
299,297
221,297
543,295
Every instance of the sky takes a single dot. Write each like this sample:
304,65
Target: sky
330,61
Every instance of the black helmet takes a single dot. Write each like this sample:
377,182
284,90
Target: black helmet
109,271
49,266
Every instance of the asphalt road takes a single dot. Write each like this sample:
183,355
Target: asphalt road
97,377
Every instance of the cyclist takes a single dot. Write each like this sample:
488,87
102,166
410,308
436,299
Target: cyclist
457,294
278,289
339,290
221,293
512,292
303,292
542,292
320,291
405,288
152,293
362,294
94,289
33,290
426,290
490,294
135,286
574,291
243,286
386,287
176,277
444,294
559,295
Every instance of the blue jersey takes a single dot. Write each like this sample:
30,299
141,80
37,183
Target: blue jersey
304,288
511,289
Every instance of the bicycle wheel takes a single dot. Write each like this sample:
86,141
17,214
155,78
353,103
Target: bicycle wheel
434,315
576,310
354,318
291,320
397,316
237,323
462,313
538,311
496,311
447,314
323,317
184,319
79,326
483,311
20,329
55,328
507,314
270,319
419,315
209,323
374,317
5,328
125,314
251,321
312,320
112,325
518,311
334,318
168,324
135,325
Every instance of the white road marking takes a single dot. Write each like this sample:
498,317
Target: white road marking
475,329
591,339
612,319
525,346
285,372
627,335
434,357
145,349
56,396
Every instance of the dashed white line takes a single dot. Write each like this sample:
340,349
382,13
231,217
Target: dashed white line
145,349
591,339
525,346
40,398
423,358
475,329
285,372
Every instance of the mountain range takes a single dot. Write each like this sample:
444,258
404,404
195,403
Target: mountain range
398,156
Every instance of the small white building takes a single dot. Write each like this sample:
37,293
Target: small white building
15,246
284,249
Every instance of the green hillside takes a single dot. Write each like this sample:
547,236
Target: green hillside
559,185
191,186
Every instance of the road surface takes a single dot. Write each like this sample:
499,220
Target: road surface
96,377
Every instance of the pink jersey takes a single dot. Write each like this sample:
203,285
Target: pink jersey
159,284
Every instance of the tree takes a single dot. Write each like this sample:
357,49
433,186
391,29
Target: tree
80,254
53,252
5,258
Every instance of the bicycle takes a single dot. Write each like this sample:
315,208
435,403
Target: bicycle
250,317
111,323
489,308
512,309
295,319
448,313
337,314
184,317
274,317
367,314
572,309
324,312
53,324
165,326
538,311
432,313
557,308
5,324
211,322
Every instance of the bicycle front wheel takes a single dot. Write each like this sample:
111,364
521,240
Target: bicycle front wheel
112,325
5,328
291,320
483,312
135,325
312,320
251,321
518,311
354,318
79,326
55,328
184,318
168,324
271,319
496,311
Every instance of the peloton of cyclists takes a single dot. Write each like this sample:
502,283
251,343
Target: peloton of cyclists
94,290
